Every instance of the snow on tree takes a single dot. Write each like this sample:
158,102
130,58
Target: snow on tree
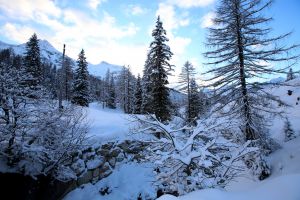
138,95
288,130
240,43
111,99
196,102
185,78
157,69
81,82
32,64
290,75
240,50
35,139
190,157
147,98
68,77
125,87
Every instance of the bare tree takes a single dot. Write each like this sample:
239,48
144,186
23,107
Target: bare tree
241,54
193,157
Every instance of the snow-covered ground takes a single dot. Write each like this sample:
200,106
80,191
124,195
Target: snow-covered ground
107,124
284,183
110,125
125,183
130,179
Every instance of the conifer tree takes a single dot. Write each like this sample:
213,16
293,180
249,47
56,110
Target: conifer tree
138,96
195,105
288,130
236,59
185,78
111,101
157,69
68,78
33,67
147,98
290,75
81,82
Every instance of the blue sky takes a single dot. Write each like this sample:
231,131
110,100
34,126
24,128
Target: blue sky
119,31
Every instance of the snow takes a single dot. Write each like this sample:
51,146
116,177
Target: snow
125,183
49,53
284,187
110,125
107,124
100,69
283,184
292,112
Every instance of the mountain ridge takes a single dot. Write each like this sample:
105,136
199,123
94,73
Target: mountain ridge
51,54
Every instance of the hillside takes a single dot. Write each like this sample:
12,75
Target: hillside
285,162
52,55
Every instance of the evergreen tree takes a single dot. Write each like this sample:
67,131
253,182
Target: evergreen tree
106,87
81,82
111,101
138,96
157,69
195,105
185,78
290,75
288,131
239,29
33,67
147,97
67,78
125,87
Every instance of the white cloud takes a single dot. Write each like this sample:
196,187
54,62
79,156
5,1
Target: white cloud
99,37
207,20
93,4
136,10
190,3
29,9
171,22
17,33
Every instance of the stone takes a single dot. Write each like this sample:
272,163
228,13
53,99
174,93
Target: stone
85,178
112,162
105,171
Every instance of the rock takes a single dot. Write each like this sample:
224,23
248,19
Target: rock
103,152
112,162
105,171
115,153
96,172
95,163
85,178
120,157
78,167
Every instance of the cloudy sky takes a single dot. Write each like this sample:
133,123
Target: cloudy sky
119,31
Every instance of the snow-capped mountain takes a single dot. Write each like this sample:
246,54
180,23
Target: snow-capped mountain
100,69
50,54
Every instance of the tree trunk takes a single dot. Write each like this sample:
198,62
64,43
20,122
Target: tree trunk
249,132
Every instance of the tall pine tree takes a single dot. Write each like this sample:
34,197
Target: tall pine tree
157,69
185,78
33,67
138,92
81,82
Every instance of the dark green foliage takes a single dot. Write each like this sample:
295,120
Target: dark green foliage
111,101
138,96
33,67
288,131
156,75
195,103
81,82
